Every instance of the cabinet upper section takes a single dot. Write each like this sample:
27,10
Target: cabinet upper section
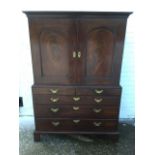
77,47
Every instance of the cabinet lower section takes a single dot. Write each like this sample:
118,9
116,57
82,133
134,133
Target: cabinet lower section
76,110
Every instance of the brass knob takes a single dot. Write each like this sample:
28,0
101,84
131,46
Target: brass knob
79,54
76,120
54,110
56,123
54,91
75,108
76,98
97,91
98,100
54,100
97,124
97,110
74,54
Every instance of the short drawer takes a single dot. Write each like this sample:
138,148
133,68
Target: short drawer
57,99
98,91
75,125
83,111
53,90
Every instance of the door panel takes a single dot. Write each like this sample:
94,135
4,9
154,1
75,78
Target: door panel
99,47
98,38
55,53
55,45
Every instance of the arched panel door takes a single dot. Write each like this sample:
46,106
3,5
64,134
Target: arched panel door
97,52
55,48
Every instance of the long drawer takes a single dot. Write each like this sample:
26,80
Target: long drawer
71,111
75,125
56,99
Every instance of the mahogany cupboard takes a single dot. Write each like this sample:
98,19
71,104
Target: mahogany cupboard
76,64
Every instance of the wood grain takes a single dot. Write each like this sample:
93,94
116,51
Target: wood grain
76,54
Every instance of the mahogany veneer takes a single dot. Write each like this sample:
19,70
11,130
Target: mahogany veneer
77,60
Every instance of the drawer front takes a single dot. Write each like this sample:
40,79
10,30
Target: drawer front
53,90
91,111
52,99
75,125
57,99
98,91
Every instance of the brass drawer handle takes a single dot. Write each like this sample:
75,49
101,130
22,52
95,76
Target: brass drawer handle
74,54
97,91
54,100
54,91
97,124
79,54
98,100
97,110
76,120
76,108
54,110
76,98
56,123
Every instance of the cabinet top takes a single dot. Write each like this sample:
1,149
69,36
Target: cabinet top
76,13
